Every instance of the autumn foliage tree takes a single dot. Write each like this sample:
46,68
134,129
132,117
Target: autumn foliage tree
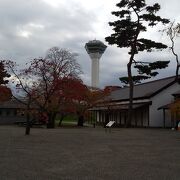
53,85
23,88
92,98
74,97
78,98
43,82
5,92
50,77
134,16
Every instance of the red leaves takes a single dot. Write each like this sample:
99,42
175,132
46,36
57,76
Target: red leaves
52,83
5,93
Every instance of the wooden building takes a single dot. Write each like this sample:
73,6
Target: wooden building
11,111
148,98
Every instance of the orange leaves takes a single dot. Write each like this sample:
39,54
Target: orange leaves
175,108
96,96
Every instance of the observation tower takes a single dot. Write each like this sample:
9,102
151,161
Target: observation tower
95,49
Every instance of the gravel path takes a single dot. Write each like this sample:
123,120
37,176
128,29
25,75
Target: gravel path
89,154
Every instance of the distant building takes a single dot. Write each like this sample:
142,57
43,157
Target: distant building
11,111
148,102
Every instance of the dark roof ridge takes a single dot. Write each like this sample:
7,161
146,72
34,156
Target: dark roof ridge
140,84
156,80
144,90
169,77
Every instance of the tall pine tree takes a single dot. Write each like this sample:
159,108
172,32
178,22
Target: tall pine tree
134,17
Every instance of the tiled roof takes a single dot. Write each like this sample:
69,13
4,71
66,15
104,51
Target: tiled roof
144,90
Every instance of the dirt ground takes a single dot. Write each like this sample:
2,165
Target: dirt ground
89,154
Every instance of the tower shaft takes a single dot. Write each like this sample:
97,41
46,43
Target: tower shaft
95,72
95,57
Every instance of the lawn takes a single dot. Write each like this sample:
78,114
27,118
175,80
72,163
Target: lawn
71,120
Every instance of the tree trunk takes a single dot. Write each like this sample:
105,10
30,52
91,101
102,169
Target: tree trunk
131,88
28,127
107,114
80,120
175,54
177,71
28,123
61,119
51,120
130,78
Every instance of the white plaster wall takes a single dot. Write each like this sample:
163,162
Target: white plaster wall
163,98
95,57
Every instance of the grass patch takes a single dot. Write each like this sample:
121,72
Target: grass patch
67,120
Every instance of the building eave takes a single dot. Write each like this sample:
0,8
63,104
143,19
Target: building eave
123,105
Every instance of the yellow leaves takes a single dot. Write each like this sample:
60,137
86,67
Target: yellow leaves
175,108
95,96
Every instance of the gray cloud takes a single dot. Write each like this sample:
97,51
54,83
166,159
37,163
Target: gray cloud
29,28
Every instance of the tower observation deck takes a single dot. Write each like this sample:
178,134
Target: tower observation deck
95,49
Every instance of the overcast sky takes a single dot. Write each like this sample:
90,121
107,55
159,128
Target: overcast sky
30,27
